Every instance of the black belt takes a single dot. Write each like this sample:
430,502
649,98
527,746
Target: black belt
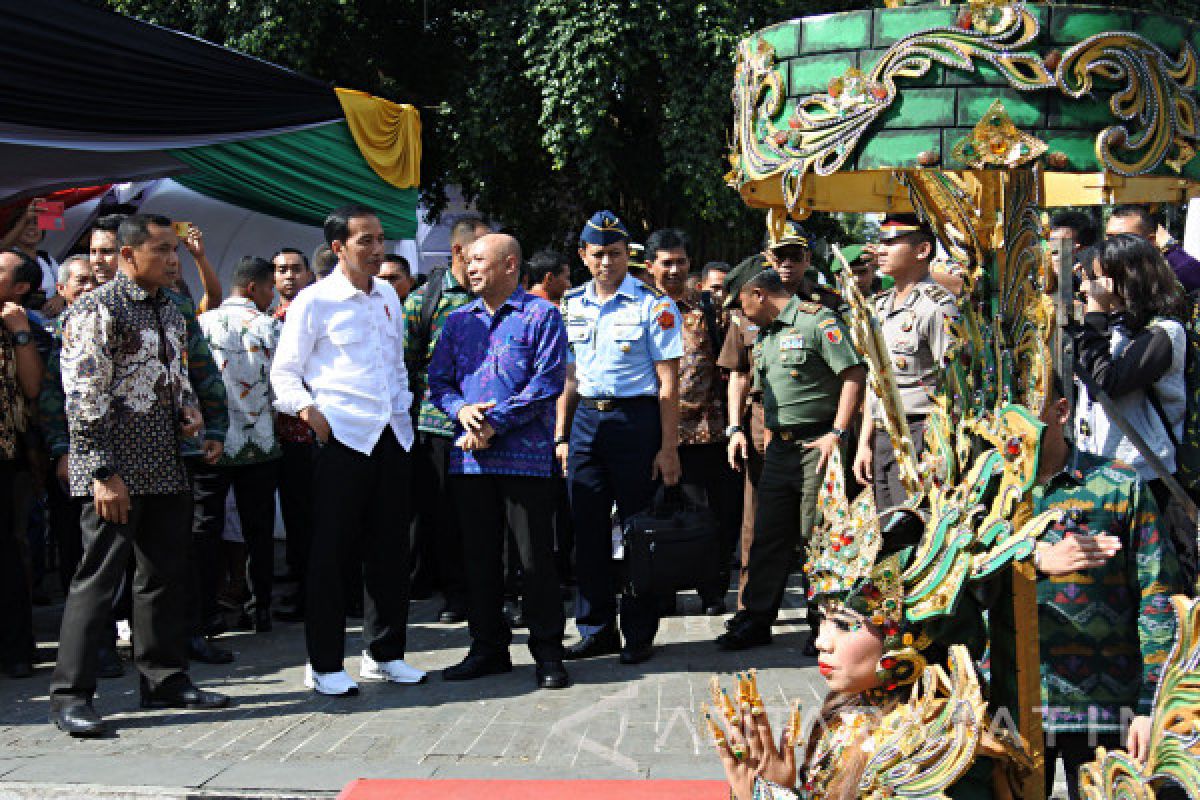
802,433
613,403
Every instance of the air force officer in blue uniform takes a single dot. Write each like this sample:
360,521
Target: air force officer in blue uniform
621,408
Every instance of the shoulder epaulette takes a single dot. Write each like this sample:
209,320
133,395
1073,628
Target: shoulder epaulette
654,290
938,294
578,290
810,308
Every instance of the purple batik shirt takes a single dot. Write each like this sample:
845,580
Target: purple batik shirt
516,358
1186,268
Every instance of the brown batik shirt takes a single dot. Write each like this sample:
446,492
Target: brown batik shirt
701,383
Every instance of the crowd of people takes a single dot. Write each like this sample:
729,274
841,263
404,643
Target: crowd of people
474,435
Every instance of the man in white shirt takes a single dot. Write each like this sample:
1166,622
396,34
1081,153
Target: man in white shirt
340,368
242,337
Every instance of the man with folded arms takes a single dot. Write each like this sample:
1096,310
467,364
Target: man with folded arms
498,369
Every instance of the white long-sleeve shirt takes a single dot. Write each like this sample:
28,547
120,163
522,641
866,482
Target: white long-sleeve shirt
343,350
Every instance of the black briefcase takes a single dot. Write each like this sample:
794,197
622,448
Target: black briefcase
670,546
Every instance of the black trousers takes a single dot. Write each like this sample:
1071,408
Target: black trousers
296,505
787,511
437,537
487,505
63,512
253,488
612,456
363,508
708,480
16,603
157,537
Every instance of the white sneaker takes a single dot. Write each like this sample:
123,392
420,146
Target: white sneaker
395,671
335,684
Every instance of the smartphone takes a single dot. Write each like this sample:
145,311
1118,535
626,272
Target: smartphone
50,216
182,229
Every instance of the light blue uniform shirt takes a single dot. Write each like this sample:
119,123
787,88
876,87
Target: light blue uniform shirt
615,344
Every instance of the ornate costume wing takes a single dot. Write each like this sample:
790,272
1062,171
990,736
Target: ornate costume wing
1174,755
925,745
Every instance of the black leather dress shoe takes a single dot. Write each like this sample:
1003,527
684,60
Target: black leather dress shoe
736,620
450,615
552,675
604,643
477,666
108,663
78,718
631,654
745,635
202,650
18,669
182,695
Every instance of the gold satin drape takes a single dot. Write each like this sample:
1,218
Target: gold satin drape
387,134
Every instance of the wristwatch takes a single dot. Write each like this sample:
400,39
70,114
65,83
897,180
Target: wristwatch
561,440
732,429
21,338
841,433
102,473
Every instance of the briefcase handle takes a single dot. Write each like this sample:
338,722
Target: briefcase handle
669,501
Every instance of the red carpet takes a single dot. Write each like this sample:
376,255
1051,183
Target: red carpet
533,790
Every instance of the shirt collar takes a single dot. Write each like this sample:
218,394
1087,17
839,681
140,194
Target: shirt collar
137,294
339,287
788,315
627,289
240,302
516,301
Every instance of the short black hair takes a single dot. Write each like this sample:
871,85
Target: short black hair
109,223
667,239
715,266
252,269
465,228
134,230
337,224
324,260
768,280
1079,223
396,258
28,271
292,251
1147,221
543,263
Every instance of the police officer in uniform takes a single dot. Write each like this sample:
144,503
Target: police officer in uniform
812,381
621,408
915,315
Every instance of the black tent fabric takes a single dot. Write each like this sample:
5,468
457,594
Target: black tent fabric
85,78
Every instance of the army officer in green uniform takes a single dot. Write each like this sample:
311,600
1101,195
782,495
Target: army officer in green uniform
812,382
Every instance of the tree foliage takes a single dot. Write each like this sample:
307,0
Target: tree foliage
541,110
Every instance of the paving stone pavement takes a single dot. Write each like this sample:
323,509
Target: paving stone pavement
280,740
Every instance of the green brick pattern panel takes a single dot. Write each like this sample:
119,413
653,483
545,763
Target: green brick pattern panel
936,110
830,32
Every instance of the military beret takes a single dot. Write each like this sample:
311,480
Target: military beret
737,277
604,228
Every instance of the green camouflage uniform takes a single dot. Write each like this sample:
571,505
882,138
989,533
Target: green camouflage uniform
430,418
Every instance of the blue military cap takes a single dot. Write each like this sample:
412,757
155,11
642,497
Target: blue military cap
604,228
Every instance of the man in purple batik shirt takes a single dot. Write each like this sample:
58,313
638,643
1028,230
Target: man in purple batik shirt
1140,222
497,369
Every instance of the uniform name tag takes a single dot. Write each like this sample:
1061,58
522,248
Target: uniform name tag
792,342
